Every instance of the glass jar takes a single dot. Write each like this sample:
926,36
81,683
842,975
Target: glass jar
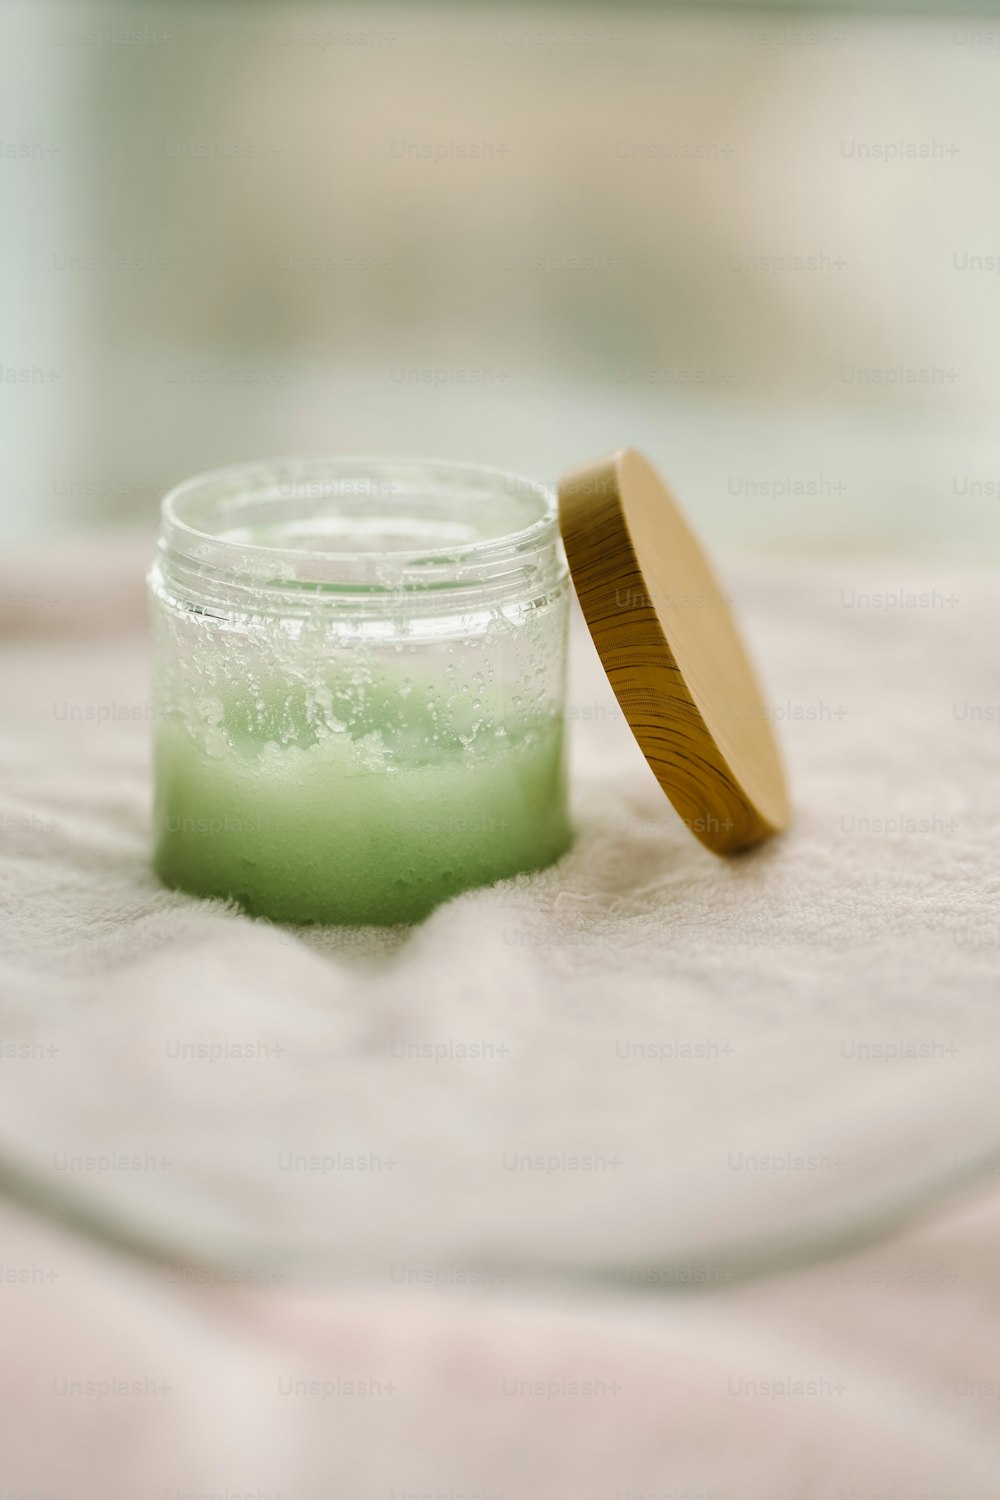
359,675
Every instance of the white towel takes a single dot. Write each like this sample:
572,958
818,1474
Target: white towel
643,1067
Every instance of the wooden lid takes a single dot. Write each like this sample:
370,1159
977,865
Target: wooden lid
672,650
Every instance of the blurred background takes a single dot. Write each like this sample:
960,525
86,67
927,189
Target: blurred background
760,244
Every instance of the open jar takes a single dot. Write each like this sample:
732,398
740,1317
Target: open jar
359,674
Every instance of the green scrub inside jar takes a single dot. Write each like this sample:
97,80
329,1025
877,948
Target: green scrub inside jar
299,809
359,687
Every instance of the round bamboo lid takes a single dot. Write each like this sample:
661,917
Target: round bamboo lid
672,650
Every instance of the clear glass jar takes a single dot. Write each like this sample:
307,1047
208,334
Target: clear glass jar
359,675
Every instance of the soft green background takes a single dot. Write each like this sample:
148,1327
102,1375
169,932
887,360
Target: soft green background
557,298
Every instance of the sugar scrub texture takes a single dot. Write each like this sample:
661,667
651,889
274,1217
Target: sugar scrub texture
359,676
325,806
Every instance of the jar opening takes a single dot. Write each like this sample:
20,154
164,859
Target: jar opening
360,523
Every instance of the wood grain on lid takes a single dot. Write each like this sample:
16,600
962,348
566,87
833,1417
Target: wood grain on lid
670,645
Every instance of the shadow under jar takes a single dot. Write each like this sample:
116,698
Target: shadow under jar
359,680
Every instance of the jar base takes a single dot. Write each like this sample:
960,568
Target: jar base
405,900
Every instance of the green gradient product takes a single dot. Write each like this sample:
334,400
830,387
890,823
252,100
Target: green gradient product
359,679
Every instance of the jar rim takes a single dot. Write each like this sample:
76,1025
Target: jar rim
201,519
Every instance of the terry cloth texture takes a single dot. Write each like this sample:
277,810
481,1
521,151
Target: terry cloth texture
448,1157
